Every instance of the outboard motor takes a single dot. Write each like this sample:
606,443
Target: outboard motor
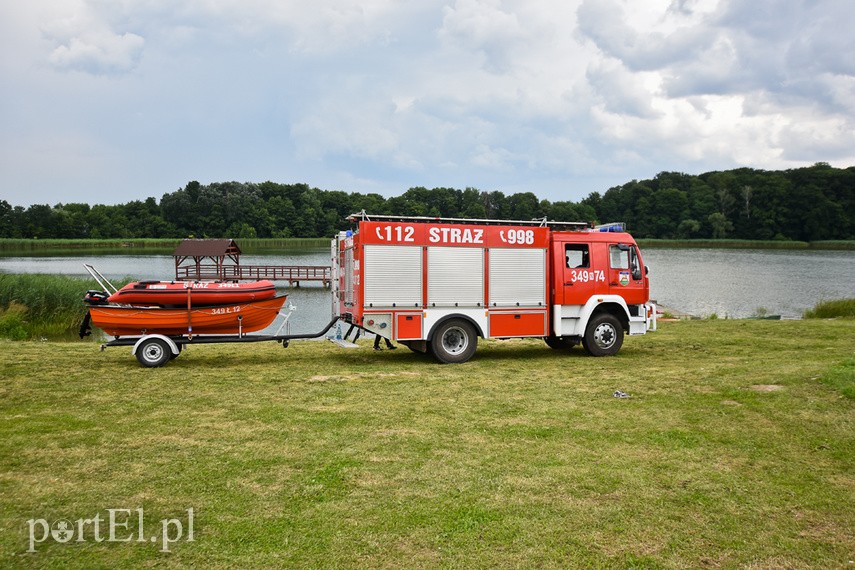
94,297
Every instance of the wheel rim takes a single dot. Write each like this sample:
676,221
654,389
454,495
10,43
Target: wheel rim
455,340
605,336
153,352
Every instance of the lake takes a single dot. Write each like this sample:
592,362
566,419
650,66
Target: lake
733,283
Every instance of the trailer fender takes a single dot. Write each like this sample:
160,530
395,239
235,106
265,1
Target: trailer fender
171,343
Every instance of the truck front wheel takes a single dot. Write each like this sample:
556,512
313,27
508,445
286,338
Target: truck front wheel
604,335
454,341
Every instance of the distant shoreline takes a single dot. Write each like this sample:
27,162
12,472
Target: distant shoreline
842,245
21,247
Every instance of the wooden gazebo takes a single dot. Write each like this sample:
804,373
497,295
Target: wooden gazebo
207,259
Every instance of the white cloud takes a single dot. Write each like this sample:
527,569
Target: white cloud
640,36
102,52
481,26
621,91
85,42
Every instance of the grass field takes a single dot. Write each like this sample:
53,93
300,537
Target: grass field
735,449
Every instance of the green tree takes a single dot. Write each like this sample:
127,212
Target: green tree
688,229
7,217
471,204
721,226
523,206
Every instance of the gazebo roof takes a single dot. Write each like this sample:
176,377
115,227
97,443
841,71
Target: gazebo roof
206,248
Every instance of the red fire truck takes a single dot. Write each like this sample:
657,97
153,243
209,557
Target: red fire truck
435,285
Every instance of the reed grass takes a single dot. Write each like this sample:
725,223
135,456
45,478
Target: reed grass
722,244
253,245
41,246
34,306
846,245
832,309
833,244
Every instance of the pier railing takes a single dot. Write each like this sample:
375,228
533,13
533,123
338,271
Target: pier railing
293,274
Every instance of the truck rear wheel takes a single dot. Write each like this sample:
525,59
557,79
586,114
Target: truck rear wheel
604,335
454,341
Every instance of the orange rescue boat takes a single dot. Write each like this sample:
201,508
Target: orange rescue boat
200,292
123,320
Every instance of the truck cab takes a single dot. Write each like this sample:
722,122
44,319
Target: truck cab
601,276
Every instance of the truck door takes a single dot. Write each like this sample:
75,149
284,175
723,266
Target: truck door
626,274
580,275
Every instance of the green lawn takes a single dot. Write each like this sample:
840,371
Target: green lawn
736,448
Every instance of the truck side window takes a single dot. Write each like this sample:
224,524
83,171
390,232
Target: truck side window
576,255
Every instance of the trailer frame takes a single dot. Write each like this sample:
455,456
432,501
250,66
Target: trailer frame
154,350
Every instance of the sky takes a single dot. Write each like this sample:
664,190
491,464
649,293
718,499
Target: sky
108,101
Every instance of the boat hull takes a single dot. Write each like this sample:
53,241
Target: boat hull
198,293
234,318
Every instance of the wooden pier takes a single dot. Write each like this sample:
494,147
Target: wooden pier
293,274
219,260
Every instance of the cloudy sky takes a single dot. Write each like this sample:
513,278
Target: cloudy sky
106,101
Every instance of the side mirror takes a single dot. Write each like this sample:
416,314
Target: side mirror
646,270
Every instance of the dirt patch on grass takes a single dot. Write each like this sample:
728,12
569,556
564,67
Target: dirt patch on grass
766,387
361,376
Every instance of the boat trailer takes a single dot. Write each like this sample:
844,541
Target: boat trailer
155,349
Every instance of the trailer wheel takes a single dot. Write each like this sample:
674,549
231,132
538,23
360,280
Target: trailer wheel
454,341
153,352
560,342
604,335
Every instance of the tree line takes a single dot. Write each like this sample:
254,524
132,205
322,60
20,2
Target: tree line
806,204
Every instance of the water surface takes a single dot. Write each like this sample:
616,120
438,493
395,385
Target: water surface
734,283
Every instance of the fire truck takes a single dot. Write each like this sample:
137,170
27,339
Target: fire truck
436,285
